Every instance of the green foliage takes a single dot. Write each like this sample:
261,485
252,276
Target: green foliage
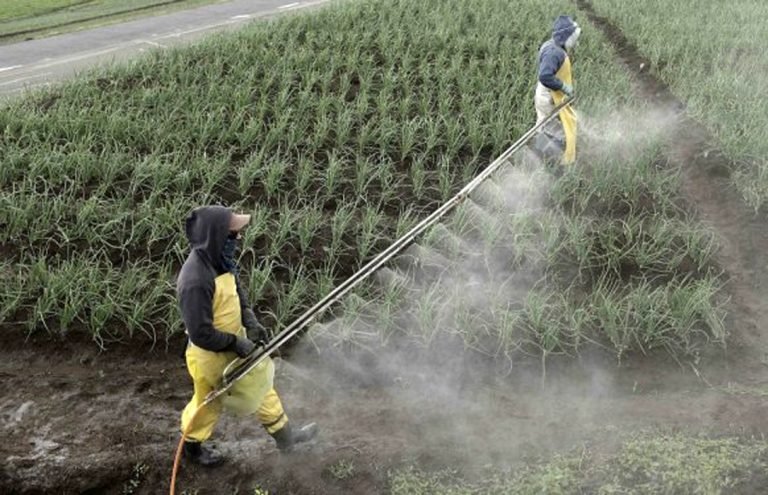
680,464
338,137
342,469
335,135
410,481
645,464
137,476
610,259
717,70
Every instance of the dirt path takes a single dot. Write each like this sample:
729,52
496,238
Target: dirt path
76,421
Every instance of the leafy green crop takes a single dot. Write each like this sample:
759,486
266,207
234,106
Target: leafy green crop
712,55
338,130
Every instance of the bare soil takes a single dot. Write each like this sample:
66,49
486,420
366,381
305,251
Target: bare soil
75,420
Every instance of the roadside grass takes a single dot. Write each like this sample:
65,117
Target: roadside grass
25,19
716,68
15,9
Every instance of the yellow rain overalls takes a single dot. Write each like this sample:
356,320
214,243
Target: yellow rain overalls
567,114
254,393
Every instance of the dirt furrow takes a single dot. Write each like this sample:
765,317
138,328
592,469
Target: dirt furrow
743,234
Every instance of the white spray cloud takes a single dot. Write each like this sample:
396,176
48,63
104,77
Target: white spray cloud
621,133
466,266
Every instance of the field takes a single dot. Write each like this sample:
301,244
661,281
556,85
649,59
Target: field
557,333
25,19
95,203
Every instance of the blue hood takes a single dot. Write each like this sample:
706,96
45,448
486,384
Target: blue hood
563,28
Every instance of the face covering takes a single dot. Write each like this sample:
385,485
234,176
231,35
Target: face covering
228,254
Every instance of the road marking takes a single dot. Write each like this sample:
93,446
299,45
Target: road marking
27,87
195,30
311,4
289,5
241,16
2,69
80,57
25,78
152,43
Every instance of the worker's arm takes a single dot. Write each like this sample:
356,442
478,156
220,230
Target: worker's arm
196,302
550,62
254,329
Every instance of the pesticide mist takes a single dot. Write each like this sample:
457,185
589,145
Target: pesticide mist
456,335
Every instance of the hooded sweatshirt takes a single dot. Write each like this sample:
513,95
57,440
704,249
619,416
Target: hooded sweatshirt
207,229
552,53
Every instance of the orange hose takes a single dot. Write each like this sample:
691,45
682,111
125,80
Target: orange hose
177,457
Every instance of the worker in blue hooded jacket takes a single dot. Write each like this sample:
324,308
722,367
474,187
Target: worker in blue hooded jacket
555,80
222,327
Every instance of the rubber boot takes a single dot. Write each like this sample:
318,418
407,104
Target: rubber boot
287,436
203,454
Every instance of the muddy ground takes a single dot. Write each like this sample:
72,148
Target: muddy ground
75,420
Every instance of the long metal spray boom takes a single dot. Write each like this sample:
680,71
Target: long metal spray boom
239,368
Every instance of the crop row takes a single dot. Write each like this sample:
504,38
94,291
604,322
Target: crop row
715,68
338,137
334,135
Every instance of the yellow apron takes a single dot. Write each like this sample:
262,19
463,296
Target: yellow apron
254,393
567,114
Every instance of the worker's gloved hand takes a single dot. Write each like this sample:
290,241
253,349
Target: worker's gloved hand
568,90
243,347
253,329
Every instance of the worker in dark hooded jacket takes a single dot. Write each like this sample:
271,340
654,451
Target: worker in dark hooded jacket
555,80
221,327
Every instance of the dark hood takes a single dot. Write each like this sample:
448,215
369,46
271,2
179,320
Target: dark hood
207,230
563,28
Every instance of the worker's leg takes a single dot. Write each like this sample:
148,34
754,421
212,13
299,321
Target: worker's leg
275,421
201,428
271,413
549,142
199,425
568,119
198,421
543,102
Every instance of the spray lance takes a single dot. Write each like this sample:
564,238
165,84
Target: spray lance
238,368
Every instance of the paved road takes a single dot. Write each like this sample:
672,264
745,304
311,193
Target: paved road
33,63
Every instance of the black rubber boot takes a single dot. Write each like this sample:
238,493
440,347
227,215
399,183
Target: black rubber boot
287,436
203,454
